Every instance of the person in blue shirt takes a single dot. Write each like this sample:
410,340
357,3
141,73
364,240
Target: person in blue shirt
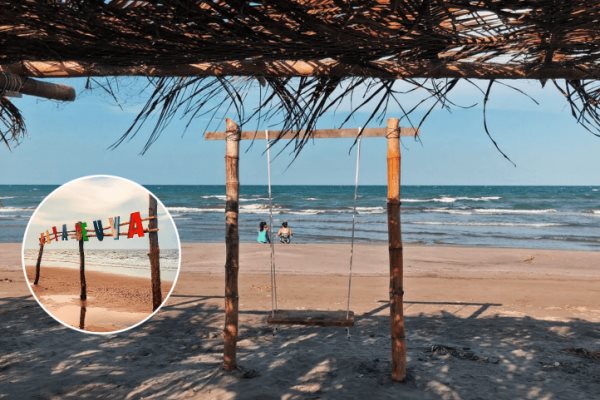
263,233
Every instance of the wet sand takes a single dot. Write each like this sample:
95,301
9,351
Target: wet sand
114,301
480,323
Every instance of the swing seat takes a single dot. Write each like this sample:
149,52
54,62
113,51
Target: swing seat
312,318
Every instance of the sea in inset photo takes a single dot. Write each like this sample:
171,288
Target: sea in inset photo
101,254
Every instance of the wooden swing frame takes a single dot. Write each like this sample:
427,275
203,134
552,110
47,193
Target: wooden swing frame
232,137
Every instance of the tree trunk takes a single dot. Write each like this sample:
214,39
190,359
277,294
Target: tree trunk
395,250
232,244
154,253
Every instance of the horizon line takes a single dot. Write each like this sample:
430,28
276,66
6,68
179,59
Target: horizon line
323,184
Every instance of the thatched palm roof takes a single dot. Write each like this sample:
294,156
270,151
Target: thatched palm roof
334,46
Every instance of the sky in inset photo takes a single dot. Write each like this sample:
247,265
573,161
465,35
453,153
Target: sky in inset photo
98,198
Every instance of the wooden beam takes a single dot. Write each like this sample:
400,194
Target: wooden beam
232,244
396,257
384,69
14,83
316,134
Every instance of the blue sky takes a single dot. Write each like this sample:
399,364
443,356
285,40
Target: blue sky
70,140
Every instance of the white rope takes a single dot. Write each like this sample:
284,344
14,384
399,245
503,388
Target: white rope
273,271
273,279
353,225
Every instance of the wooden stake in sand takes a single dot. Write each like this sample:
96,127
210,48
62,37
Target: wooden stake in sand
232,244
38,264
154,253
396,256
83,294
82,312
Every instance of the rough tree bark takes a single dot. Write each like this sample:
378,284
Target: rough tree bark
396,253
232,244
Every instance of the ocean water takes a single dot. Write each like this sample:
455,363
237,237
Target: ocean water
551,217
132,262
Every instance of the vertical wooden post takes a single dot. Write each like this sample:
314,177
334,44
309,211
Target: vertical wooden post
83,293
38,264
154,253
82,311
395,249
232,245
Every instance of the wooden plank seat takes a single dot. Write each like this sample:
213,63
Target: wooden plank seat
312,318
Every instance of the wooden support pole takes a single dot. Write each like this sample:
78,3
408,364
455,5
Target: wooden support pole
38,264
83,294
154,253
396,257
232,244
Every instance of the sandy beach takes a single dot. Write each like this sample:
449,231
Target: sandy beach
480,322
114,301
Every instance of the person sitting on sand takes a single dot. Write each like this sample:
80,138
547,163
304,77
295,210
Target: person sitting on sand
285,233
263,233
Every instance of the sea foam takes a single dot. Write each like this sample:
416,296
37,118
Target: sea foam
185,210
508,224
513,211
15,209
450,199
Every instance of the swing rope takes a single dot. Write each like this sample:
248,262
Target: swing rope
274,306
353,225
273,279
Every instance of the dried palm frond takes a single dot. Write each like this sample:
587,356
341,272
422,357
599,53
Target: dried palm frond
12,124
308,56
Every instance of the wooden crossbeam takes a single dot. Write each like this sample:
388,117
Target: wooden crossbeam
316,134
384,69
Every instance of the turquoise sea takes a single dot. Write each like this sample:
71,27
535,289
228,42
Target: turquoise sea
551,217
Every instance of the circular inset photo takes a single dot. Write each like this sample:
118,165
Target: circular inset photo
101,254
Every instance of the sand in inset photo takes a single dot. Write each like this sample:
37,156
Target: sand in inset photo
101,254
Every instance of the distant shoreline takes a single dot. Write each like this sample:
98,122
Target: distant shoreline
327,184
376,243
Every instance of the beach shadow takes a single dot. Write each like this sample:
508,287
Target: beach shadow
179,352
480,307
